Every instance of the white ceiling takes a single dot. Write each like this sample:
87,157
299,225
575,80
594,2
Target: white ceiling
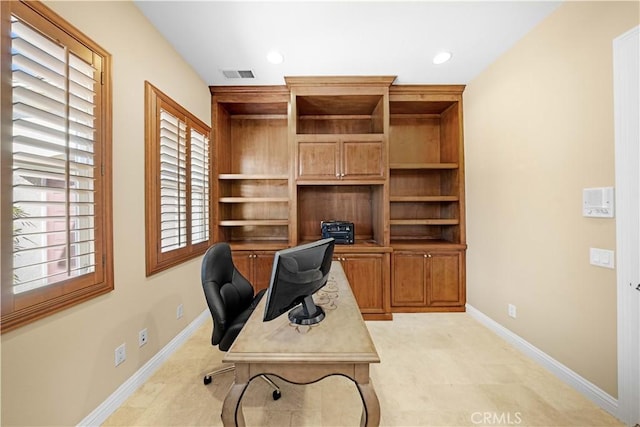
343,37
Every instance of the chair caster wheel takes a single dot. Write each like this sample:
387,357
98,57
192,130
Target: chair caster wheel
276,394
207,380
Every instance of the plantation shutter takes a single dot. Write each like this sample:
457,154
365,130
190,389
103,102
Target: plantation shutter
54,161
199,187
177,183
173,182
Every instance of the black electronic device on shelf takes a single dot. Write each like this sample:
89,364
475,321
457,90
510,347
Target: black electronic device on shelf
343,232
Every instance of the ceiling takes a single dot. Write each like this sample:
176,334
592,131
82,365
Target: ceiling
343,37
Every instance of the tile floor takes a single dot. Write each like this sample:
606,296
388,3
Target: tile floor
437,369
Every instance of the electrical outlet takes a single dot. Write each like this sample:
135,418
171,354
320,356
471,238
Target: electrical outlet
512,311
121,354
142,337
179,311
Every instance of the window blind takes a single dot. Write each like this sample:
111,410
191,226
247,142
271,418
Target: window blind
177,182
173,182
53,161
199,187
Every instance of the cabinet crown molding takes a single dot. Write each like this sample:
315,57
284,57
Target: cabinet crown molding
339,80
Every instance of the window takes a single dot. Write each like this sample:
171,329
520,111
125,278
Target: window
56,171
177,183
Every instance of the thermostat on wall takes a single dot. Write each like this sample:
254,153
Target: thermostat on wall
597,202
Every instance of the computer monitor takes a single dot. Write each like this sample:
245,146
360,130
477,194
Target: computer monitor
296,275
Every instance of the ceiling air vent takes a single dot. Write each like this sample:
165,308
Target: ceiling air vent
238,74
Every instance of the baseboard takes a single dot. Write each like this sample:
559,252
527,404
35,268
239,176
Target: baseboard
118,397
587,388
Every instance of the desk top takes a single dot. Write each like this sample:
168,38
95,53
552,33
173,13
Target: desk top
341,337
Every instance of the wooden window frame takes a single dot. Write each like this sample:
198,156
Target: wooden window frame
21,309
156,260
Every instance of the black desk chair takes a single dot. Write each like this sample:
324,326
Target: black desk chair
231,300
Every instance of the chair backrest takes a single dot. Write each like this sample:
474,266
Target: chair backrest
227,292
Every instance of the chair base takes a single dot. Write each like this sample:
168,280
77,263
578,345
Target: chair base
209,377
277,394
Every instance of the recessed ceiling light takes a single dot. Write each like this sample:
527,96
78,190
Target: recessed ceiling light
441,57
275,57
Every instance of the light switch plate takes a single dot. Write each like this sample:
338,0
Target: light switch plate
601,257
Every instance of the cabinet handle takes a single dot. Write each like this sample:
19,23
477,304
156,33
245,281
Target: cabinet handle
429,255
342,175
337,175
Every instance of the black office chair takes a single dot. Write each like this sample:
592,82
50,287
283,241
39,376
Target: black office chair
231,300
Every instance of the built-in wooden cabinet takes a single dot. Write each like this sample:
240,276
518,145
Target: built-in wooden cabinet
426,164
388,158
255,266
368,275
325,157
428,280
339,134
426,198
252,165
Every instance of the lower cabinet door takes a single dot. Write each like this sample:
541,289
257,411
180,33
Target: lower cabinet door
428,281
243,261
409,279
255,266
365,275
262,265
445,280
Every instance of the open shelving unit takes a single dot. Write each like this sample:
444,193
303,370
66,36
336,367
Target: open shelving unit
426,198
252,165
339,131
424,167
388,158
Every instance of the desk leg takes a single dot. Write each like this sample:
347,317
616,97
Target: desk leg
371,405
232,407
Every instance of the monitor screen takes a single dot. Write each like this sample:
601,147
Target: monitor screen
296,275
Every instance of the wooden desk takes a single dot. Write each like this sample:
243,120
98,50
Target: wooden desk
339,345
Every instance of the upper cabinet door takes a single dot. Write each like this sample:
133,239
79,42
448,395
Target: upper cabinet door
362,160
318,160
352,158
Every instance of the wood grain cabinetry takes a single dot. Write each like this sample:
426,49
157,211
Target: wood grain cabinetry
428,280
426,198
388,158
426,164
368,275
255,266
339,131
351,157
252,165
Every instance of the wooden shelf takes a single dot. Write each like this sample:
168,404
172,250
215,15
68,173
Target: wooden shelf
238,176
413,199
253,200
425,221
419,166
316,137
410,243
249,222
273,244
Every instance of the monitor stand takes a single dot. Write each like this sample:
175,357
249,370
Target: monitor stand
306,314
